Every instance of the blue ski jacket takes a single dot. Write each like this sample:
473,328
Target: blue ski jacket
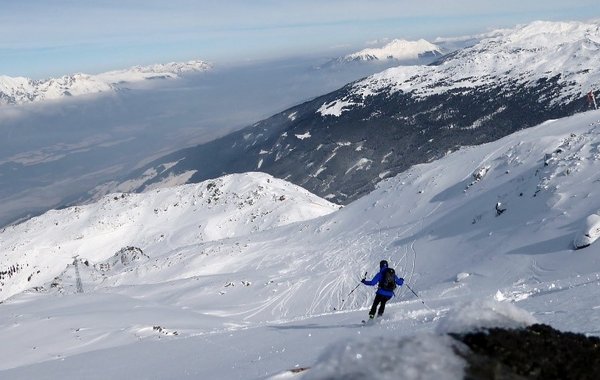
377,278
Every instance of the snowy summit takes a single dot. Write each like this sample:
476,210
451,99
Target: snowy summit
399,50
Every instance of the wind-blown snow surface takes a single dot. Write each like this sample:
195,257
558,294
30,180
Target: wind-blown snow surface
253,306
19,90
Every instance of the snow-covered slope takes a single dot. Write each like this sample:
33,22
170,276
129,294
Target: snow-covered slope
540,51
397,49
18,90
157,221
251,306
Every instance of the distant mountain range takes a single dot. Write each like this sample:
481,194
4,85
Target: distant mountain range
341,144
19,90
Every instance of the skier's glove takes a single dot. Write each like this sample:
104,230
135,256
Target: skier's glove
364,281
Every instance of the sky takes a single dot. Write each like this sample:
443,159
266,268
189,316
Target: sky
42,38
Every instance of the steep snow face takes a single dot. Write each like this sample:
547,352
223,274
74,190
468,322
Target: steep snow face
18,90
401,50
157,221
525,55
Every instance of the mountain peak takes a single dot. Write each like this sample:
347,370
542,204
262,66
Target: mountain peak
397,49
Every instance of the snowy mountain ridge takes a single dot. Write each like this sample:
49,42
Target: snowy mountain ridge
523,56
157,221
19,90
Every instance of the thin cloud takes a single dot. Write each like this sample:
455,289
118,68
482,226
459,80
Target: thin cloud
49,35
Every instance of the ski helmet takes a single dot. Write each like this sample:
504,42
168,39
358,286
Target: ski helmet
383,264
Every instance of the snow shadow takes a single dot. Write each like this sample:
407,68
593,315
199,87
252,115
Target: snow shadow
561,243
451,192
315,326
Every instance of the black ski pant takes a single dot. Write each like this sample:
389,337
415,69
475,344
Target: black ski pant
379,300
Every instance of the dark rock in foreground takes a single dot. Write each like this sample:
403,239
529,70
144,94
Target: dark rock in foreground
536,352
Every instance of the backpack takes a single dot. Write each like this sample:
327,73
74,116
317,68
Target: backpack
388,279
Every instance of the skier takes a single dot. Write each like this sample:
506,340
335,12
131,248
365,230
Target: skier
387,281
592,100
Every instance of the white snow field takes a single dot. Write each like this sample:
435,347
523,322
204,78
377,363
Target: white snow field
248,277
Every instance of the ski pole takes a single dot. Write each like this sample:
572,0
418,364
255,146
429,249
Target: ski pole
352,291
356,287
416,295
